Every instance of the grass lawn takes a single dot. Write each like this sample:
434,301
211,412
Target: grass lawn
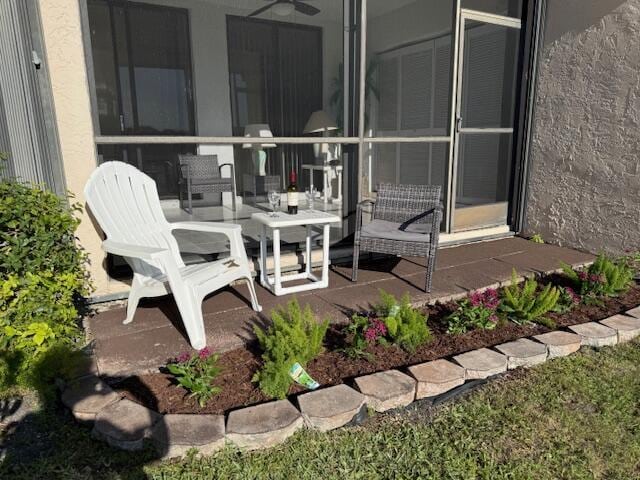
573,418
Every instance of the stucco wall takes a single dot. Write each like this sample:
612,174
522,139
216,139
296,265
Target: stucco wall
65,56
585,173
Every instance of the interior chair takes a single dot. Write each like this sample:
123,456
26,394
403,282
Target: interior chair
202,174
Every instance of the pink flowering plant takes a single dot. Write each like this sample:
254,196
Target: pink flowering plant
365,330
605,277
567,300
196,373
477,311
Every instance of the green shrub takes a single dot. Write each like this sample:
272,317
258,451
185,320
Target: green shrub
294,336
43,276
476,311
522,303
196,373
603,278
406,326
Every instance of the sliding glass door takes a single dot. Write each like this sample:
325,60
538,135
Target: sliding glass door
142,70
488,59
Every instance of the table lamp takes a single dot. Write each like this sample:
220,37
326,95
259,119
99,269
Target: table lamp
320,122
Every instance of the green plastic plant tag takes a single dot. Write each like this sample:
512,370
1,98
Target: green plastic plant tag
301,377
393,311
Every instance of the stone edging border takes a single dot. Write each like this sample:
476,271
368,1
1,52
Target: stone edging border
126,425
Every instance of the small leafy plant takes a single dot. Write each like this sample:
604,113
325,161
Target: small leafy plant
406,326
537,238
365,331
294,336
567,300
196,374
603,278
523,304
479,311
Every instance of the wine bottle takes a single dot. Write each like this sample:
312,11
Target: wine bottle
292,194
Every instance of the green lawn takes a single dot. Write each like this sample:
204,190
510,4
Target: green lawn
573,418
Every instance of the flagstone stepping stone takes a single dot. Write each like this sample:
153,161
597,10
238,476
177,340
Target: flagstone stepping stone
87,396
174,435
523,353
125,424
387,390
634,312
595,334
482,363
437,377
627,328
559,343
263,426
330,408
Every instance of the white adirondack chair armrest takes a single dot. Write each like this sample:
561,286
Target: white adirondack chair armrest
233,232
133,251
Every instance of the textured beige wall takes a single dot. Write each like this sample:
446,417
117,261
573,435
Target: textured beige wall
585,173
63,40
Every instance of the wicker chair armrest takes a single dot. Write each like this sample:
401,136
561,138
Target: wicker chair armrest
433,211
359,208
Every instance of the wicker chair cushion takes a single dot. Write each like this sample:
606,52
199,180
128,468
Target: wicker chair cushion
416,232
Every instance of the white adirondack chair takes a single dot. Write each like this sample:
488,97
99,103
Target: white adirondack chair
125,203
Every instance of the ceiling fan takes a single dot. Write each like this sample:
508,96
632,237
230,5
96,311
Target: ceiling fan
286,7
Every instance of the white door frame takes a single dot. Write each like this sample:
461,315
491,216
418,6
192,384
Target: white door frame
458,129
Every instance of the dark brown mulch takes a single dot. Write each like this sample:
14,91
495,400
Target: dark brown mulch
158,391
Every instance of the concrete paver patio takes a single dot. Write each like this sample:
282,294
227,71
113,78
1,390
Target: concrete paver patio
156,333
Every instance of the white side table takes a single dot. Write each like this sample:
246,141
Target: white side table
283,220
326,188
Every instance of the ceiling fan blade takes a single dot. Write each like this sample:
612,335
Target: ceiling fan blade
262,9
305,9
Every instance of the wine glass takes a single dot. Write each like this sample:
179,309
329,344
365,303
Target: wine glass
311,195
274,200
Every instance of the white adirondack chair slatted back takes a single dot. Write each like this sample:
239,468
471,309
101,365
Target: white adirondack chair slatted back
125,203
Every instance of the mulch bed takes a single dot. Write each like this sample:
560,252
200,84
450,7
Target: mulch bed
159,392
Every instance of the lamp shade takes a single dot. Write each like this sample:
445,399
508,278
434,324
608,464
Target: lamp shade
258,130
319,122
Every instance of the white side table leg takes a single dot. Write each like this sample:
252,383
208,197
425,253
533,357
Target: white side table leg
264,278
339,199
325,255
326,187
277,282
308,253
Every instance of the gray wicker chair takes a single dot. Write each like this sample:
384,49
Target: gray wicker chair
202,174
405,221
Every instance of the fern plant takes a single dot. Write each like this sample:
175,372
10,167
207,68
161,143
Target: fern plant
523,304
604,277
406,326
294,336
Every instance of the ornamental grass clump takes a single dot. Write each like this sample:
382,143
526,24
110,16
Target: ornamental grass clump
603,278
406,326
295,336
196,374
477,311
525,304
